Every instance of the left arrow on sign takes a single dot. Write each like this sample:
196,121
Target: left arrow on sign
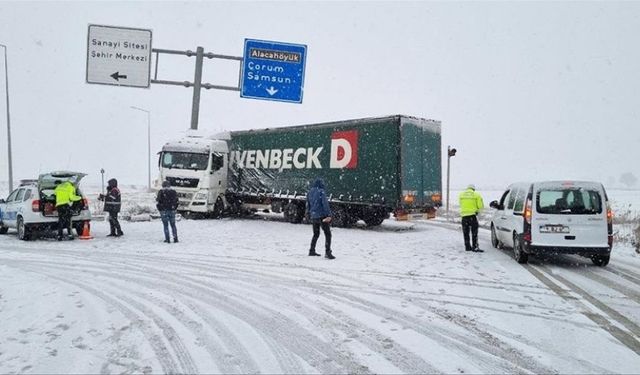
117,76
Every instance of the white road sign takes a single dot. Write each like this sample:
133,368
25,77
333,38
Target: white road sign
118,56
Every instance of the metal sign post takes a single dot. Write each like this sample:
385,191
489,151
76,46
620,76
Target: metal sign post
102,172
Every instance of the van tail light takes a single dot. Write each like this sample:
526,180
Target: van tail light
527,212
35,205
85,203
526,233
609,226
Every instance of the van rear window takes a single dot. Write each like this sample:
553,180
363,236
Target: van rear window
569,201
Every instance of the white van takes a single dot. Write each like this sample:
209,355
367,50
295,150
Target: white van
561,217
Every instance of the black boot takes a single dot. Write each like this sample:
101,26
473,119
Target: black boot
312,253
328,255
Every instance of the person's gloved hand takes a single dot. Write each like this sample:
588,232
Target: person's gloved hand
101,197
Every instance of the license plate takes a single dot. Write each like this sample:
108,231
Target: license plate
554,229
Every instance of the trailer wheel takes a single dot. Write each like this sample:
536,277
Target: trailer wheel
342,218
376,218
294,213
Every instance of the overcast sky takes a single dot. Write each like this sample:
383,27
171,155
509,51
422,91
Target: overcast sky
524,90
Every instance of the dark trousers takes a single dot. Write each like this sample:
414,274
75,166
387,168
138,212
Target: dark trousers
64,219
326,228
169,218
114,224
470,223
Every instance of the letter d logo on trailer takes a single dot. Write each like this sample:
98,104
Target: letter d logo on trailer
344,149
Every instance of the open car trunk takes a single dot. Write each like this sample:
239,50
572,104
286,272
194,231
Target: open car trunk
46,188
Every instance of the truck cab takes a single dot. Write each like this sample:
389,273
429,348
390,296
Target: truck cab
196,167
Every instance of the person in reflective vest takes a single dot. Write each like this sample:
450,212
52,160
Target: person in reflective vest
470,205
112,203
65,194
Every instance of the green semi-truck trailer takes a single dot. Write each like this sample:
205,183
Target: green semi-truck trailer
372,167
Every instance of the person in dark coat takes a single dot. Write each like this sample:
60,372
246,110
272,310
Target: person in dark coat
167,204
320,215
112,203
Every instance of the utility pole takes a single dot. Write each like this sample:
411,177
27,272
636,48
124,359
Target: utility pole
6,74
450,152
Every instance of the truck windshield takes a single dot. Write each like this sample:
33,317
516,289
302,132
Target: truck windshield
185,160
576,201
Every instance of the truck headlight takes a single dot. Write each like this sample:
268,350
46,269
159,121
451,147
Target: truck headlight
202,195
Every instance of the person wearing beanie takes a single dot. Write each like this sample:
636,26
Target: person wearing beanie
470,205
112,203
167,204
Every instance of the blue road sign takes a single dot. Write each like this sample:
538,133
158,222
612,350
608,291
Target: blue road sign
273,70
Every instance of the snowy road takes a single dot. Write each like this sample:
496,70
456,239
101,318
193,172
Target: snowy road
241,296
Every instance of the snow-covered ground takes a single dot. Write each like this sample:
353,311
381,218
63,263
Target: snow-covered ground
242,296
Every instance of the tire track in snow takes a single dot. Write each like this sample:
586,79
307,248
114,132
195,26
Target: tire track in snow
162,353
248,366
628,340
509,359
508,352
286,333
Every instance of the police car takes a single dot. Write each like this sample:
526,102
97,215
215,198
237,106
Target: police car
31,207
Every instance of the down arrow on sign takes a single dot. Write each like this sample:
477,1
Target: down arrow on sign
271,90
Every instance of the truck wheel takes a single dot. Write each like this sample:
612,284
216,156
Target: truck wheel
23,230
600,260
518,253
218,207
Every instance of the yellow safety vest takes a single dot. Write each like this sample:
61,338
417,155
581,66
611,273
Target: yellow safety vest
470,202
65,194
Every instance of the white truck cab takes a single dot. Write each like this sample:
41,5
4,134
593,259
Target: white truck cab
196,167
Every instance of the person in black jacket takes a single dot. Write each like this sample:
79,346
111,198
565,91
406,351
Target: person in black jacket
112,203
167,199
320,215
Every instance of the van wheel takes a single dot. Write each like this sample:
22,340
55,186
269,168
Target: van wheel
600,260
518,253
23,230
494,238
